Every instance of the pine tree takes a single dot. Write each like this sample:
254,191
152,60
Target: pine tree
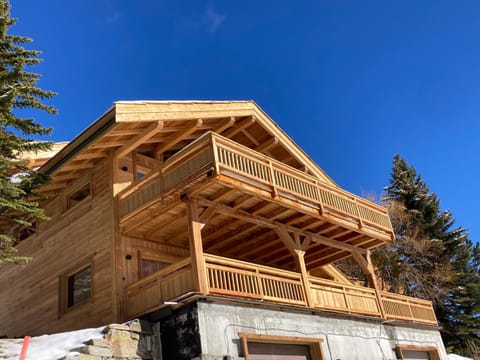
431,259
18,94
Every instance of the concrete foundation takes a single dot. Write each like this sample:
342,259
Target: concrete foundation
343,338
216,326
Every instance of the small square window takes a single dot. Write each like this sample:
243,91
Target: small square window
78,195
27,231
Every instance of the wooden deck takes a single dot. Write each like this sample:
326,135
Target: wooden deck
231,163
239,279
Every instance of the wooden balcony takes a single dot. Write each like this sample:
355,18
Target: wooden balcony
243,280
213,157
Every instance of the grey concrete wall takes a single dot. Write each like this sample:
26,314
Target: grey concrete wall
343,338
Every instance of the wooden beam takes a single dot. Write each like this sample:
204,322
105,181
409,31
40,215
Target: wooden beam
267,145
287,240
123,132
90,155
262,221
239,127
196,247
106,144
225,125
251,137
206,215
143,162
300,262
147,133
73,166
148,216
229,237
176,138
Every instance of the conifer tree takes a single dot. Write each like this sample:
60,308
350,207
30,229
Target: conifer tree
431,258
19,94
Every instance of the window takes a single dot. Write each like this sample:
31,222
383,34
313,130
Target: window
148,267
27,231
266,347
75,287
150,262
78,195
415,352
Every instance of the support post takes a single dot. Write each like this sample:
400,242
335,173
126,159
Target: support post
367,268
196,248
300,261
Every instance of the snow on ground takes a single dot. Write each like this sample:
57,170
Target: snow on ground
457,357
56,346
49,347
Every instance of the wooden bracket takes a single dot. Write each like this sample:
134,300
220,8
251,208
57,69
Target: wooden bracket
139,139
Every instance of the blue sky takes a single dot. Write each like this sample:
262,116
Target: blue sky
352,82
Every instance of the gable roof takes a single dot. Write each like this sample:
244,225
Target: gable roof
159,126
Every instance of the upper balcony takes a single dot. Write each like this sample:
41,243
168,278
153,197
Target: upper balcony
238,182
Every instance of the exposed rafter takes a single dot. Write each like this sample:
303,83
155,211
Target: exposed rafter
150,131
176,138
262,221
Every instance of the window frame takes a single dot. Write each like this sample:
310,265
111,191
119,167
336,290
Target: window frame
64,286
314,344
432,351
77,188
152,256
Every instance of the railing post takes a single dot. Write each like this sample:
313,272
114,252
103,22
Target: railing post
272,179
216,162
360,221
259,283
320,201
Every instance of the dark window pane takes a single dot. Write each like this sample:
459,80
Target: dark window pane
79,195
79,287
148,267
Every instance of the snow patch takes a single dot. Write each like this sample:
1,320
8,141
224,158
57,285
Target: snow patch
49,347
457,357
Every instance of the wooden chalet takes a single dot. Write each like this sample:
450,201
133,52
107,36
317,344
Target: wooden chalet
159,203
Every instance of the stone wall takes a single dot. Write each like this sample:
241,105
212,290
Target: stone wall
135,340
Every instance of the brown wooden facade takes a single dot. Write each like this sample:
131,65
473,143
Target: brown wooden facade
161,201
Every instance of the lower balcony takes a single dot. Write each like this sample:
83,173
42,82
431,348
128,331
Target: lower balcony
243,280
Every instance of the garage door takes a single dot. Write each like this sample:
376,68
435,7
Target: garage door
415,355
272,351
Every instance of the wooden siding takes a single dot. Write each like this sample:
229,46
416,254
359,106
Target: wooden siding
30,306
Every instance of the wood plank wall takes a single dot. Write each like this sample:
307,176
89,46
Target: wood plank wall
149,249
30,294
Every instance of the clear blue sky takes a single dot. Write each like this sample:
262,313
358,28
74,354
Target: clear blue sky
352,82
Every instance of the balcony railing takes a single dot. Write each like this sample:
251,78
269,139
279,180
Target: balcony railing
240,279
214,153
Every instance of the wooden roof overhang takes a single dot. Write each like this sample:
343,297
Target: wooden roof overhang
166,126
